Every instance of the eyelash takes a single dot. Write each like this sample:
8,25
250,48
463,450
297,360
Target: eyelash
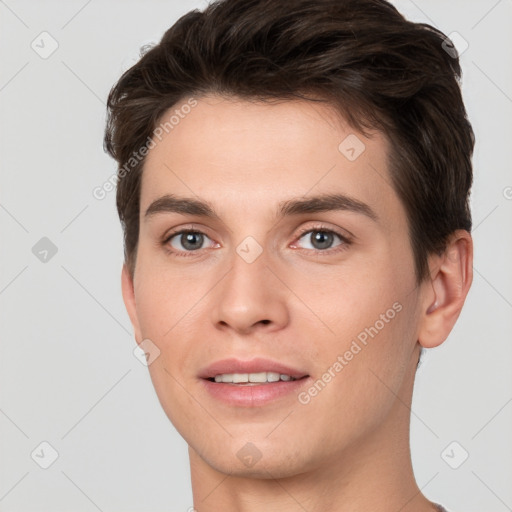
346,242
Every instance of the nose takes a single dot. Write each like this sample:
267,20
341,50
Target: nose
250,297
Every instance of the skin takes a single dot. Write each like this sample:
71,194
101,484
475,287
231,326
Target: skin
348,448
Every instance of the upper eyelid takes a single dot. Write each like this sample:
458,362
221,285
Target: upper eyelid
190,228
324,229
319,227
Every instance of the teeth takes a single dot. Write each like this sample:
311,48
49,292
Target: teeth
241,378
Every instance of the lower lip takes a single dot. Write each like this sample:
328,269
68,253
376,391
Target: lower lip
253,396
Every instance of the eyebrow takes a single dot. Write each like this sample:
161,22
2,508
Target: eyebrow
315,204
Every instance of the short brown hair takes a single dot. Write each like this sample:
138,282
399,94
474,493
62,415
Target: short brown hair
363,57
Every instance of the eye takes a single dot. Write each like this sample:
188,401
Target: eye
321,239
186,241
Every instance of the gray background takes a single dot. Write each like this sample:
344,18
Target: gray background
68,375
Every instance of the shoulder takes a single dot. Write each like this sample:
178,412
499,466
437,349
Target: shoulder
441,508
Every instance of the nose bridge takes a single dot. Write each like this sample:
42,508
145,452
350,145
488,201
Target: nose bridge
249,294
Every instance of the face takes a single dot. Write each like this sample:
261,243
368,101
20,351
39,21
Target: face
296,264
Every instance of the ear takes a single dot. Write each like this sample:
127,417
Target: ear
451,275
129,301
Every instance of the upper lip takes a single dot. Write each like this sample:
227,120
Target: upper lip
256,365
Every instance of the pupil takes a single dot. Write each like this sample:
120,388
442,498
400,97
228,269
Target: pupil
188,239
322,239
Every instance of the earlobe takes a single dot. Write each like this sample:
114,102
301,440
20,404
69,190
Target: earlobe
451,277
128,291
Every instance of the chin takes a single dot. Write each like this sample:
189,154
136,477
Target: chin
256,457
264,469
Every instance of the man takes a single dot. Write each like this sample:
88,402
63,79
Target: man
293,189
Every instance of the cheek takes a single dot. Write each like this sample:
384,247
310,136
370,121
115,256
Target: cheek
162,298
362,374
346,301
165,309
371,315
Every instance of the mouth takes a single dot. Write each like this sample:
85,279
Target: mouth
252,383
253,379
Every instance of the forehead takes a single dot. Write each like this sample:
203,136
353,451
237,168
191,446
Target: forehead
249,156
